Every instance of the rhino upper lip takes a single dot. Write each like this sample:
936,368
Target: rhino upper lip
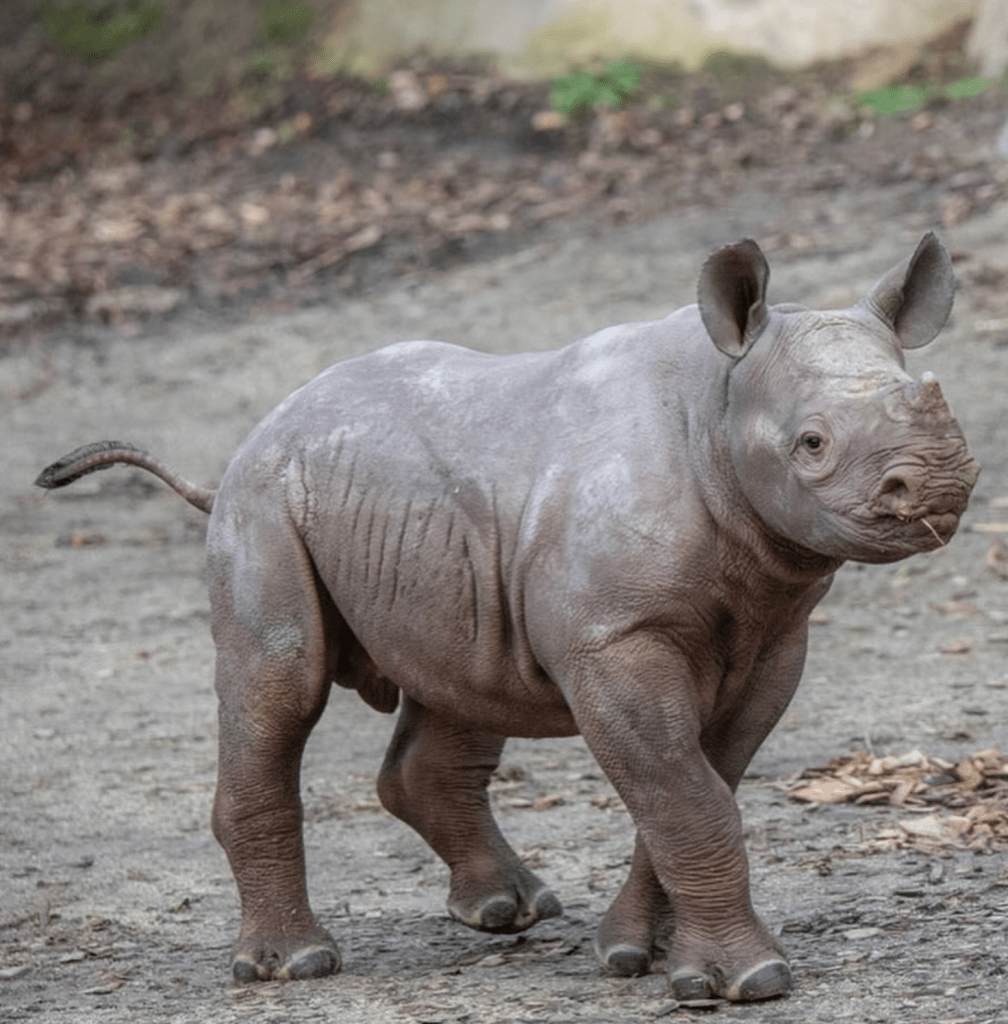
939,523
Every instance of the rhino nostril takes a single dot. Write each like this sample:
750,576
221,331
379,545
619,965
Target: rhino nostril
895,489
897,495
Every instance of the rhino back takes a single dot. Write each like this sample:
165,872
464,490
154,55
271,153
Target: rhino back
433,484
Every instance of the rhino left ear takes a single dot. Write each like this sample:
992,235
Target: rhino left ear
915,297
731,294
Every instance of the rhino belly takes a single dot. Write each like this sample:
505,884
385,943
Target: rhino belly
422,589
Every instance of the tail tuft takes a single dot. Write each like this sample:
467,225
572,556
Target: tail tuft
89,458
80,462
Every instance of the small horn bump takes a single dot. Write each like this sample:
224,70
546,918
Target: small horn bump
925,397
930,384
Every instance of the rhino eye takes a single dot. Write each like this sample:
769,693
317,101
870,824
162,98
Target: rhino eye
812,443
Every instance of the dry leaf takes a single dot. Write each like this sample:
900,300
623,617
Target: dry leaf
364,238
975,790
826,791
997,559
968,774
898,797
929,827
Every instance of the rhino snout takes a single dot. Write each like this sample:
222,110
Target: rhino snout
931,483
917,492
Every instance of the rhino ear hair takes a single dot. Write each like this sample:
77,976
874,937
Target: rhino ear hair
915,297
731,294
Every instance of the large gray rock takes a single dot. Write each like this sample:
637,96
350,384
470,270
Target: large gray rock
544,36
988,39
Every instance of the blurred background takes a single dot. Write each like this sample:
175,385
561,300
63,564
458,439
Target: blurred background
160,156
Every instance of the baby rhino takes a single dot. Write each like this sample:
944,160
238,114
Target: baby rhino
623,538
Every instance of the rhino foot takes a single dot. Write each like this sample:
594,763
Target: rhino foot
767,979
506,913
624,960
287,960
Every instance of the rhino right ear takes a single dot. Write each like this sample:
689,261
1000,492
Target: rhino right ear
732,296
915,298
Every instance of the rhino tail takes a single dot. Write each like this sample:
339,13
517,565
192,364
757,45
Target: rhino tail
89,458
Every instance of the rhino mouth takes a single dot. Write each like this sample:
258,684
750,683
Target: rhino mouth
937,526
889,535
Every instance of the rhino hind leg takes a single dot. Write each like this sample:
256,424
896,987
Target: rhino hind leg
434,778
272,686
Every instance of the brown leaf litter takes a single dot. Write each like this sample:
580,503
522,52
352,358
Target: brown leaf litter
118,205
950,806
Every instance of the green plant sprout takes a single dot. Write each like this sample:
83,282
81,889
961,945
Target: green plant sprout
902,99
81,32
285,21
580,91
261,63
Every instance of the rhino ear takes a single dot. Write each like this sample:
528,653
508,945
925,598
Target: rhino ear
915,297
731,294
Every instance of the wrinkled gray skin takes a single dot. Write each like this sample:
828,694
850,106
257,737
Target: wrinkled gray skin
623,538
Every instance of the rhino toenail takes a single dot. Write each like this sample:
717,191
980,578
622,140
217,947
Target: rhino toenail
765,981
314,962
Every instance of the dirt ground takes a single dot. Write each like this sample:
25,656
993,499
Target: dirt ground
115,902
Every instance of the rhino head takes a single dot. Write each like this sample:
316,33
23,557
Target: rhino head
835,446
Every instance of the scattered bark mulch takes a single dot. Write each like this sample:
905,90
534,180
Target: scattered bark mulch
950,806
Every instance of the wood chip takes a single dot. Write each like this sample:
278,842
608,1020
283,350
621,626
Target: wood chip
968,774
826,791
966,804
997,559
903,789
930,827
104,990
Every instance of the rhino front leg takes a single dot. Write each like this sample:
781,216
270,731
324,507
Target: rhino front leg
272,687
625,941
636,706
435,778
